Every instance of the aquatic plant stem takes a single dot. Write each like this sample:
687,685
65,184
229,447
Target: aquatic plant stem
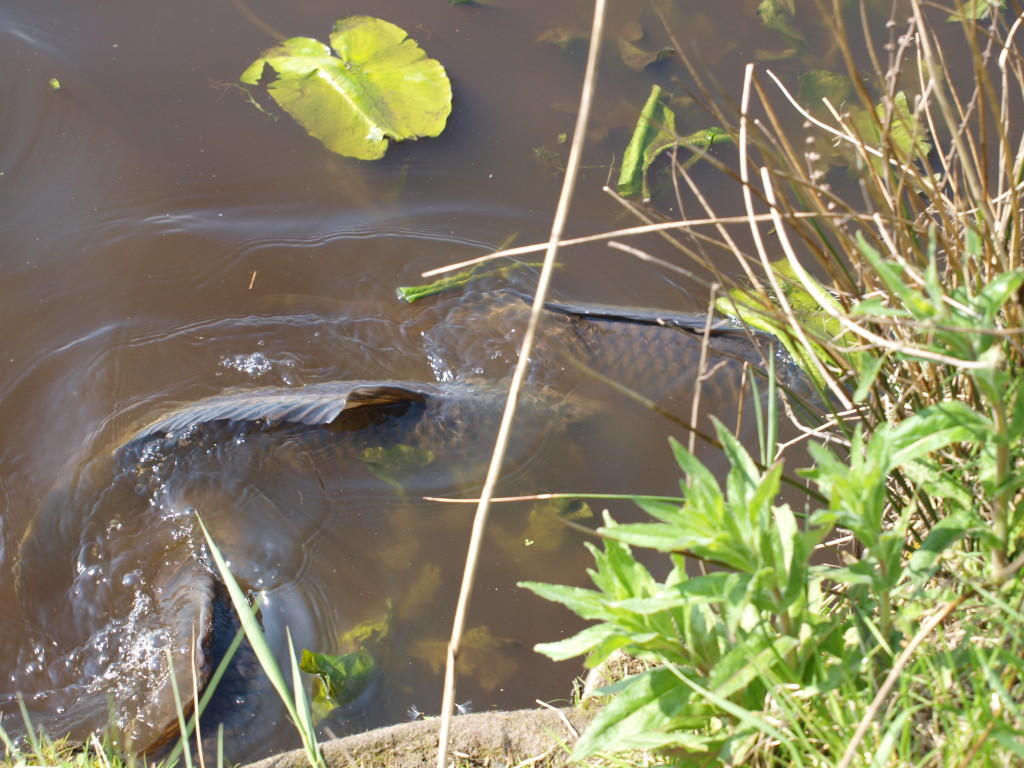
501,442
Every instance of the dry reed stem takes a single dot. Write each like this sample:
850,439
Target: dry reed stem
504,431
629,231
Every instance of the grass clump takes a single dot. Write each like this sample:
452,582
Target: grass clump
881,240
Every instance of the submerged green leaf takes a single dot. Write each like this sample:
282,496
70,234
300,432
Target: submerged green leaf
389,463
637,59
380,86
820,84
343,678
779,16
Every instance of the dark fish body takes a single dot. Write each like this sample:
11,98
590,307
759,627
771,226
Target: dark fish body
135,512
656,353
125,523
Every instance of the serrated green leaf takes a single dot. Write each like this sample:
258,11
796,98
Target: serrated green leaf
943,535
933,428
581,643
381,86
586,603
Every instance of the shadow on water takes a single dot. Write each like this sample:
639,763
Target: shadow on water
163,242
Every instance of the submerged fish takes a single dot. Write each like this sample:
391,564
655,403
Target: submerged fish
127,529
656,353
137,602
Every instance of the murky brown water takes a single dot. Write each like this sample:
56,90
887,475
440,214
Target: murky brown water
161,241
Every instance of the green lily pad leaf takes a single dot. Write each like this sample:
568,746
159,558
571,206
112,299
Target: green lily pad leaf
381,86
907,134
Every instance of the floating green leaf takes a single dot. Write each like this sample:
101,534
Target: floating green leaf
655,131
461,279
380,86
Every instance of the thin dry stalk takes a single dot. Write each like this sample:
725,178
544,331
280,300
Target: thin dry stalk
501,443
612,235
701,367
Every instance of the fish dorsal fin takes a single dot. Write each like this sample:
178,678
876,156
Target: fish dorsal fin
695,322
313,404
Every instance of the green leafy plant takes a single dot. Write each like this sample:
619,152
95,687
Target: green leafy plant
380,86
878,622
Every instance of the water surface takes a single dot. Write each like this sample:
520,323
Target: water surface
162,241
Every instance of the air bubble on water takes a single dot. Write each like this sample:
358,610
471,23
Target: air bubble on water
256,364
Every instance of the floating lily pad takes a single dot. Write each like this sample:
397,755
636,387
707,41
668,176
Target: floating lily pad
380,86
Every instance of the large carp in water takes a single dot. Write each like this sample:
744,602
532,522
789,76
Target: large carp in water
124,522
